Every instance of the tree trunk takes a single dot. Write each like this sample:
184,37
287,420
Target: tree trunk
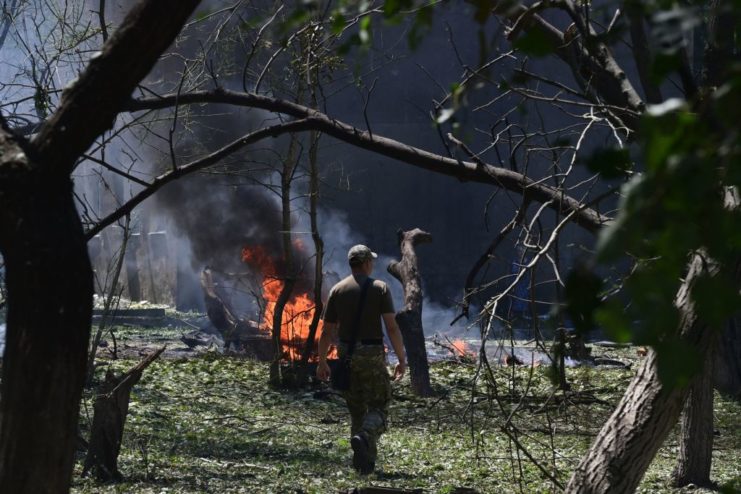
110,410
727,369
629,440
410,317
132,266
319,252
289,275
696,431
50,293
48,274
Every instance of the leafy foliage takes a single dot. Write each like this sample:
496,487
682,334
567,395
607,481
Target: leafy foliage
676,207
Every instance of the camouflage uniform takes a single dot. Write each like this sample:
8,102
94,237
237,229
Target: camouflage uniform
370,385
369,395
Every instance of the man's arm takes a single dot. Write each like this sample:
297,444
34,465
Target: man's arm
329,334
394,334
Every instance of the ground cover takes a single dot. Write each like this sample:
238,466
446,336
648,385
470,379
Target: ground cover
210,423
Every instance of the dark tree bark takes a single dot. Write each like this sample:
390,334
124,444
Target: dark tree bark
727,368
50,292
319,251
132,267
629,440
48,274
696,431
409,317
696,423
289,276
110,409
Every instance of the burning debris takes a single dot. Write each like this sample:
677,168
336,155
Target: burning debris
297,313
459,349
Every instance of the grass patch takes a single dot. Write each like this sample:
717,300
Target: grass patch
212,424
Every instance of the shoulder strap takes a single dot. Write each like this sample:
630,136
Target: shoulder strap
356,323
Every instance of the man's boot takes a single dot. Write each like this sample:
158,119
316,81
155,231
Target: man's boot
361,459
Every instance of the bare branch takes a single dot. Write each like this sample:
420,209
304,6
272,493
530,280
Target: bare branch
101,18
89,105
462,170
206,161
115,170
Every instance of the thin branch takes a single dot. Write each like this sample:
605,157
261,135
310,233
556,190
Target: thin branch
101,18
211,159
90,104
115,170
462,170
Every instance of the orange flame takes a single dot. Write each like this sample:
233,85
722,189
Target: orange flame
297,312
461,348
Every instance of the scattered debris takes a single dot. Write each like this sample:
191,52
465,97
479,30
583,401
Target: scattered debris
608,362
510,360
146,318
459,349
384,490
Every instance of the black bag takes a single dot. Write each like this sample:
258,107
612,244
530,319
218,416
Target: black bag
340,369
340,373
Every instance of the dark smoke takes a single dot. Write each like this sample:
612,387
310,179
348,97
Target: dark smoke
219,219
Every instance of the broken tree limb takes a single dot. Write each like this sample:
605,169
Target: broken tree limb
109,416
236,332
409,317
219,312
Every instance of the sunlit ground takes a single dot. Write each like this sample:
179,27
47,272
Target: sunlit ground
210,423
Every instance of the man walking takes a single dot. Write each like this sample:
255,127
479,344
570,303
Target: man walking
370,387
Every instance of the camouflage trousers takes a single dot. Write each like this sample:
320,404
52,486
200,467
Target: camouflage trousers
369,395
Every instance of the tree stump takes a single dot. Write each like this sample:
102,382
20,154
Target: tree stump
109,416
410,317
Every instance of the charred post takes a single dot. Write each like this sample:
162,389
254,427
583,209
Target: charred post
410,317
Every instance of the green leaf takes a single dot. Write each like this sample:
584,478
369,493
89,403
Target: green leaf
338,23
716,299
364,34
345,47
611,316
483,10
677,362
582,292
732,487
663,65
610,162
534,43
393,7
421,26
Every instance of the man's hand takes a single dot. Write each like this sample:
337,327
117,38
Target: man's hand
322,371
399,370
